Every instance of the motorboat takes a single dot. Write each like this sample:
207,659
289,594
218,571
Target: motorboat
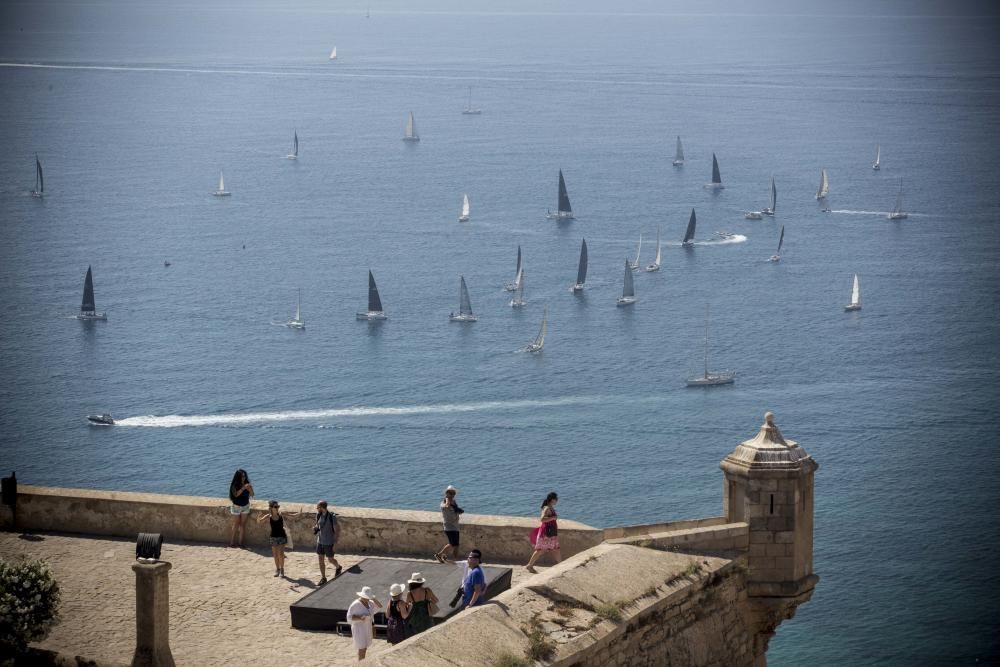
101,420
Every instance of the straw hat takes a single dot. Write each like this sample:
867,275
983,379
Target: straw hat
451,488
416,578
396,590
366,593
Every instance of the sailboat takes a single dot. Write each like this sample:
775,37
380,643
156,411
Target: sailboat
333,54
510,287
689,233
297,322
88,311
635,265
374,311
469,109
855,303
411,130
464,216
518,299
294,155
581,269
628,288
897,212
776,257
221,192
716,183
824,186
655,266
539,342
679,154
774,200
878,156
564,211
711,378
39,190
464,305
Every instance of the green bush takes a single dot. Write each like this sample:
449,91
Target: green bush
29,603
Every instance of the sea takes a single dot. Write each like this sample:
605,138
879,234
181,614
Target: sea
134,107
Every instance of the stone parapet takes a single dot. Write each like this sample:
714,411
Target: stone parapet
664,527
712,538
204,519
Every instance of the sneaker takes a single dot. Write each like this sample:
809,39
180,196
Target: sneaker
439,558
277,573
336,573
281,572
322,581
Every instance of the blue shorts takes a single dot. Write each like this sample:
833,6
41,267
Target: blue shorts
324,550
452,537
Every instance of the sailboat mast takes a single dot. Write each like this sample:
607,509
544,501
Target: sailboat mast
706,340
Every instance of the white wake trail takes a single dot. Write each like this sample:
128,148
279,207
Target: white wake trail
249,418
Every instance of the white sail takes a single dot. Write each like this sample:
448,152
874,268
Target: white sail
411,129
635,265
897,212
539,342
856,292
333,54
824,186
518,299
655,266
878,157
679,153
469,109
221,192
464,216
296,322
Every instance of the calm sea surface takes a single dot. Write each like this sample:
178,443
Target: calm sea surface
135,107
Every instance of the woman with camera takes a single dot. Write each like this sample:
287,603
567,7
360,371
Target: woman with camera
450,513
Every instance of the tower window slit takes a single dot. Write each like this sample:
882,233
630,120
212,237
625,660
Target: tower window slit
772,503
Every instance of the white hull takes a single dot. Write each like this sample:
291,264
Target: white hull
898,216
767,211
472,112
652,268
220,193
463,218
712,379
559,215
534,348
678,163
372,315
634,266
774,258
463,318
292,157
852,306
89,317
36,194
510,287
516,303
295,324
578,287
819,197
626,300
714,186
411,139
753,215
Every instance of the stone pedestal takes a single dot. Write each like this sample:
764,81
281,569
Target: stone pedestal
152,615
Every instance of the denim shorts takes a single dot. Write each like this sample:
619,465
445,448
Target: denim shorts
239,509
279,541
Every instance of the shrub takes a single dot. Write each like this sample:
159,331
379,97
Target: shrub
609,612
508,660
29,602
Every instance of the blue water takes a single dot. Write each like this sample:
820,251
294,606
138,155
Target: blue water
140,104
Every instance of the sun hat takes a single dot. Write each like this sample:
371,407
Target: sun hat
416,578
451,488
396,590
366,593
273,503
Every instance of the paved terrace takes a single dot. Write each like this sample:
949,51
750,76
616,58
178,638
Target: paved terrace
225,605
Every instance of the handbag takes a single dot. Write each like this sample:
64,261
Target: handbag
550,529
289,545
432,607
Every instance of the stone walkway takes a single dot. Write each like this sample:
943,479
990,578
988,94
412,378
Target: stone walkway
225,605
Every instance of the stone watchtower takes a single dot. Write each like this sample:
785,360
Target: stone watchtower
769,486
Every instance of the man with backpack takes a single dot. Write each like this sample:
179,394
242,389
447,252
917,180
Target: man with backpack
327,532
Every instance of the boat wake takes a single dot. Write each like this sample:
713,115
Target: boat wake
879,213
735,238
253,418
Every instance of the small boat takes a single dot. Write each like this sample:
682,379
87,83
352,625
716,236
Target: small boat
581,269
517,301
294,155
824,186
753,215
511,286
464,305
655,266
297,322
628,288
725,236
689,233
411,129
776,257
878,157
716,183
563,210
221,192
774,200
679,154
464,215
826,210
635,265
88,311
333,54
855,303
539,342
469,109
897,212
166,262
374,311
39,190
711,378
101,420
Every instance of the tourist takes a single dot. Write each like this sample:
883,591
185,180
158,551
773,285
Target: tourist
474,582
240,493
360,614
279,534
462,565
423,604
546,536
450,512
327,532
396,614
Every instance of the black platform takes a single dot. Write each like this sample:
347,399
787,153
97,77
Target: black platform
326,606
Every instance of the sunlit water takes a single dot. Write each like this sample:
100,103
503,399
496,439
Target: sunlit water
135,107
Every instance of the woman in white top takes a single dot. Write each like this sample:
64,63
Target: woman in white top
360,614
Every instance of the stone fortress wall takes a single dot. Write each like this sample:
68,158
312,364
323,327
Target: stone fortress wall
707,592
